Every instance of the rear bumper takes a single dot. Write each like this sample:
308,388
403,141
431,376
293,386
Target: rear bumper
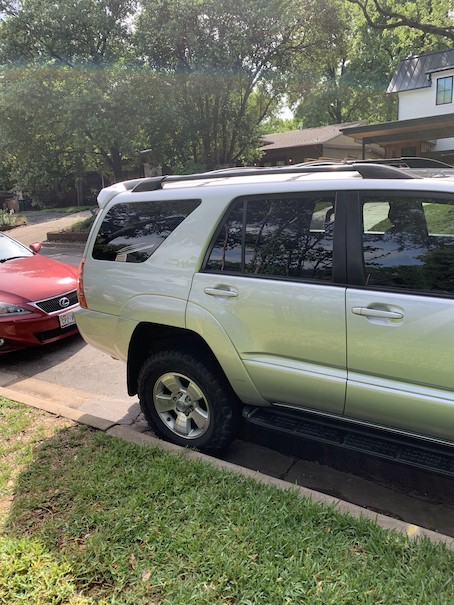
99,330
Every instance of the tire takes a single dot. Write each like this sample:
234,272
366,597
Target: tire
187,401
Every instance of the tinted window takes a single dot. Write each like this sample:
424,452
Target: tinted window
408,243
132,232
279,237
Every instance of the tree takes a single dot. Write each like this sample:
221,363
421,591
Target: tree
432,18
66,92
6,180
65,122
352,80
278,124
230,61
33,129
94,32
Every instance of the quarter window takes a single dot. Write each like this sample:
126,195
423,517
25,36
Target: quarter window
277,237
131,232
408,243
444,90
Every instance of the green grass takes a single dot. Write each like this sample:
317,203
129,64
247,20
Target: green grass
11,220
84,225
95,520
439,217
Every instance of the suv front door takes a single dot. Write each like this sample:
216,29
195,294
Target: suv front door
270,281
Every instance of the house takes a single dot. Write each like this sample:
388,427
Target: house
425,124
305,144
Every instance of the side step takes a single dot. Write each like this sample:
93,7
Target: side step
284,430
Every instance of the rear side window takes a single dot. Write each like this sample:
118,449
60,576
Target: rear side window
131,232
289,237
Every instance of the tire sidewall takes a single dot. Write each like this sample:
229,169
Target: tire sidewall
206,380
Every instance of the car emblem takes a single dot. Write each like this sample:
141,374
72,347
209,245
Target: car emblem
64,302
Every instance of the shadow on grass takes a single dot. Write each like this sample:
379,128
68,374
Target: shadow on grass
98,520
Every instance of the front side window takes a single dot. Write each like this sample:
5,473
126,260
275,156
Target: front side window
131,232
444,90
277,237
408,243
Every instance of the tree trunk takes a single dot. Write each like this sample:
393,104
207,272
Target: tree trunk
116,164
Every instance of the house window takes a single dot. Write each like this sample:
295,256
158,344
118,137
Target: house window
444,90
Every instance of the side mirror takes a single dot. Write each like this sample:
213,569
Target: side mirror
35,247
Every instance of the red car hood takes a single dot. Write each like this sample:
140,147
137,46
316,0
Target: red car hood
36,277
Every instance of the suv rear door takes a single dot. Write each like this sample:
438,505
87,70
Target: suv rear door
271,280
400,312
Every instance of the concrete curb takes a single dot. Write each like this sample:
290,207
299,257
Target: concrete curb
133,436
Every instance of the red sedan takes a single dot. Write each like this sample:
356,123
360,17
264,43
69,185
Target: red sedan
37,297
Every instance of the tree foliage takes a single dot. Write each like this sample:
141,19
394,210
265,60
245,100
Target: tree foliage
65,100
86,85
428,18
88,31
191,80
351,82
63,122
231,61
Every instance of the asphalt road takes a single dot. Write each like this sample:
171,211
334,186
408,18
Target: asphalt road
400,492
68,253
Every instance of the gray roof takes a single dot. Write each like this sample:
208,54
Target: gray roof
304,137
414,72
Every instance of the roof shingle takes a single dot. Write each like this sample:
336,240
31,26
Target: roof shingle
304,136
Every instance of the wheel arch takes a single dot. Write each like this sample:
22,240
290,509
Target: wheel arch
148,338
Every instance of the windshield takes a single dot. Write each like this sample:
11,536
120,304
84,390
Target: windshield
10,249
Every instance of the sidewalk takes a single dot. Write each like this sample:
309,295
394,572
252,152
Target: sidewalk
28,234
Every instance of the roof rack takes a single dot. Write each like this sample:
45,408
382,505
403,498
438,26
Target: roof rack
410,162
402,162
366,170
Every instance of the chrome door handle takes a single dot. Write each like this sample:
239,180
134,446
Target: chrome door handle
221,292
366,312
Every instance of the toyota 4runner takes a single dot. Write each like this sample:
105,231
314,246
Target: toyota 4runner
322,289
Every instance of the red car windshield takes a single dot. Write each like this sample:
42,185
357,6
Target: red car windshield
10,249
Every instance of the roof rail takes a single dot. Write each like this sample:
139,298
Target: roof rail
366,170
410,162
402,162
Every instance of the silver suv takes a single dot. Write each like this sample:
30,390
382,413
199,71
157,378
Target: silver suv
322,289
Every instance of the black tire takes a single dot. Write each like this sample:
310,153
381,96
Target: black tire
187,401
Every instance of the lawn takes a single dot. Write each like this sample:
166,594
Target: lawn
90,519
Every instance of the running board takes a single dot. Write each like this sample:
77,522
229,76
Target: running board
298,426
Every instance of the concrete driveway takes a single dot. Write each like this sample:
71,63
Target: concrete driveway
40,223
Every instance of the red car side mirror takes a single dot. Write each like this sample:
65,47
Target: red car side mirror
35,247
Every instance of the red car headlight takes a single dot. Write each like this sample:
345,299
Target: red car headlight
7,309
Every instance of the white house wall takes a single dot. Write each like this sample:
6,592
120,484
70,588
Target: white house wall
421,103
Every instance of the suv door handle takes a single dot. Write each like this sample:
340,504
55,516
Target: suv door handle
367,312
221,292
